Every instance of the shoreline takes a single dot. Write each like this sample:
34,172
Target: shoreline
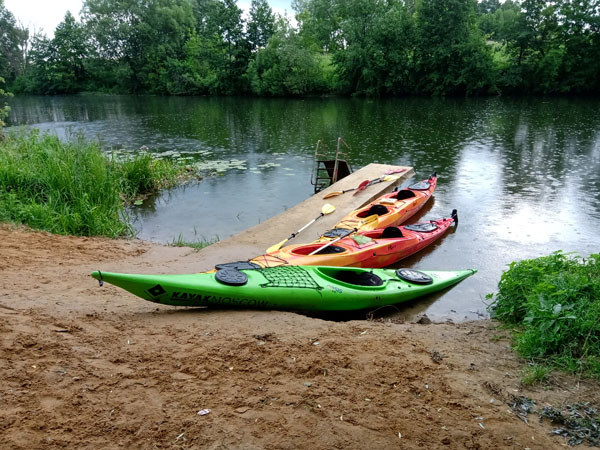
91,367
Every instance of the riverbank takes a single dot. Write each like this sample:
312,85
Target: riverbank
91,367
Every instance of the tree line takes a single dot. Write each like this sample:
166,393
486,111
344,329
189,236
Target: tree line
343,47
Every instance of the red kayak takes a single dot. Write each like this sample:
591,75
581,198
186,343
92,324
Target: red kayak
374,248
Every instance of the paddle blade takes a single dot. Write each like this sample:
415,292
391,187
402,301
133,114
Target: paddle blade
333,194
274,248
327,209
362,186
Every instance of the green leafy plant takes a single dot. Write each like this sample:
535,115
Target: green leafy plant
552,303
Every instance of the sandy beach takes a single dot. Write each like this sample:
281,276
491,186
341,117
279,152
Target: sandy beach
93,367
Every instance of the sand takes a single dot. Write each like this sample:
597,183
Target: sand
88,367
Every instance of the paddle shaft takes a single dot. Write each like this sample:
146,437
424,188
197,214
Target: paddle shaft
306,226
353,230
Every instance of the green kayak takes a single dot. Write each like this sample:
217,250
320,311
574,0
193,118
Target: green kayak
308,288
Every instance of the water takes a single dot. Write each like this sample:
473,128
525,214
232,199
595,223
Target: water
524,174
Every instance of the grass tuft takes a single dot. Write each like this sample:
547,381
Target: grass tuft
198,244
535,374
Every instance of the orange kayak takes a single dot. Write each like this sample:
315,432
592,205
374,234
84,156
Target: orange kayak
374,248
390,209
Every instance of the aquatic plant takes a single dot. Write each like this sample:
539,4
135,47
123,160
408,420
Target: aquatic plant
552,304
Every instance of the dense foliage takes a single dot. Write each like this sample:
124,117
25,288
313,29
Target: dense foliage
71,187
3,106
553,303
355,47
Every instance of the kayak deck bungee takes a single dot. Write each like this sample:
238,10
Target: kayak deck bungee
377,248
390,209
307,288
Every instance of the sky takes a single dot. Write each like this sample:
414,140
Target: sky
45,15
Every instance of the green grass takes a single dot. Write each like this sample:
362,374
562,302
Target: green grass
535,374
72,187
198,244
552,305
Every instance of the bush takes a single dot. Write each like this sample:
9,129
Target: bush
553,305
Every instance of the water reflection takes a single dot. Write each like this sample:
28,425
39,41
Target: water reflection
524,174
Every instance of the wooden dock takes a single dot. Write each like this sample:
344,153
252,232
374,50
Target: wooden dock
254,241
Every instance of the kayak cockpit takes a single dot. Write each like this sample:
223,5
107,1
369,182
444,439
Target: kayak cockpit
384,233
357,278
329,250
374,210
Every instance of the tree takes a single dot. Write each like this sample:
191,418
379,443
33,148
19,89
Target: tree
141,41
579,34
285,67
261,25
378,41
452,57
234,49
70,49
57,66
319,23
197,69
13,45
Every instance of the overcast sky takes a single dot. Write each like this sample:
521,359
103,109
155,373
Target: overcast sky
47,14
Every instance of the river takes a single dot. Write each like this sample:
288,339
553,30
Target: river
524,174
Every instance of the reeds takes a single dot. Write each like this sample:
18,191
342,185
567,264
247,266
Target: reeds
72,187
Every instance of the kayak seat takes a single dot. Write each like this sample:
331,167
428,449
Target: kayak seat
360,279
391,232
373,210
331,249
403,194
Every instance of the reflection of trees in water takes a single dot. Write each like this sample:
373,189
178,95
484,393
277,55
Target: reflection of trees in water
538,143
544,143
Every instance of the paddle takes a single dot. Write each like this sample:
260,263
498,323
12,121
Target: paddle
368,220
362,186
377,180
327,209
391,171
336,193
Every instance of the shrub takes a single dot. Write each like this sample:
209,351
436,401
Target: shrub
552,304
